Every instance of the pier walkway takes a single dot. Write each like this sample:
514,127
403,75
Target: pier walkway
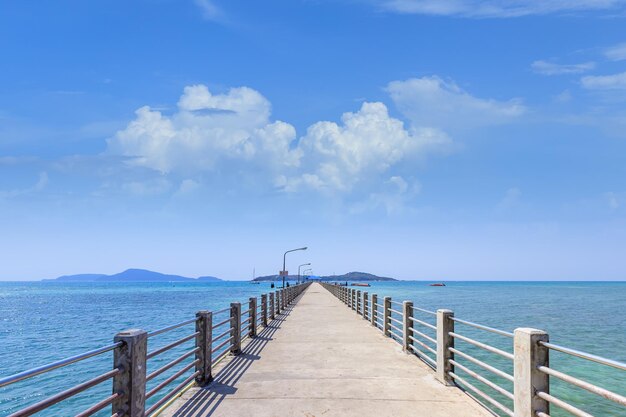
317,358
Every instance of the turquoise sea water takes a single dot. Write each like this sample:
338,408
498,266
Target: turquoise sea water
43,322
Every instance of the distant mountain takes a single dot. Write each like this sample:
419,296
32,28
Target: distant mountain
208,279
143,275
356,276
77,278
132,275
350,276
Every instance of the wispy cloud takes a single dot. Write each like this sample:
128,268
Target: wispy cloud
552,68
209,10
498,8
435,102
605,82
41,183
616,52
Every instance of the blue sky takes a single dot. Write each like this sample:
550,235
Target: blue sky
420,139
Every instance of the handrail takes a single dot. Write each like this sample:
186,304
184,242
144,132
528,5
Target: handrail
482,345
584,355
42,405
203,335
605,393
424,311
55,365
451,355
172,327
169,346
480,326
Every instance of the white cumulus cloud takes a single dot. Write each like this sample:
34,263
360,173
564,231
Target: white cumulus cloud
230,140
431,101
366,143
206,133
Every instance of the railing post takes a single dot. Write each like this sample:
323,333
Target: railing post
283,304
445,325
130,357
407,326
264,309
235,327
272,308
365,300
528,355
252,324
386,315
204,323
353,299
374,309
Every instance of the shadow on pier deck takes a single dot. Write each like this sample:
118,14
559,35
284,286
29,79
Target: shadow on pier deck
323,361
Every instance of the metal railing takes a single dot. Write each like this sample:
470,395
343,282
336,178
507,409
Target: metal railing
506,372
137,390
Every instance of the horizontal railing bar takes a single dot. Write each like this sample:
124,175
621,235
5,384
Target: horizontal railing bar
396,311
170,394
562,404
482,327
482,345
221,323
497,404
224,310
42,405
482,364
220,356
424,345
172,327
584,355
246,321
604,393
171,364
396,320
430,339
425,311
424,356
98,406
395,302
398,329
483,379
229,331
243,313
169,380
55,365
423,323
171,345
542,414
395,337
216,348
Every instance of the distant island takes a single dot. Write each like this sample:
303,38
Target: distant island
132,275
350,276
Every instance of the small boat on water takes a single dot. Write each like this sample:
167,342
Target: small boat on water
437,284
360,284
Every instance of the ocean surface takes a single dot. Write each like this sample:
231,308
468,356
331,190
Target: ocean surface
44,322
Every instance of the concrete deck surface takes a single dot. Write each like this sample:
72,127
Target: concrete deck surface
320,359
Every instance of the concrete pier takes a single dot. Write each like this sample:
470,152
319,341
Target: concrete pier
319,358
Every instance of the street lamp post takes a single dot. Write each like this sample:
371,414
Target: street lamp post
307,270
300,266
283,272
